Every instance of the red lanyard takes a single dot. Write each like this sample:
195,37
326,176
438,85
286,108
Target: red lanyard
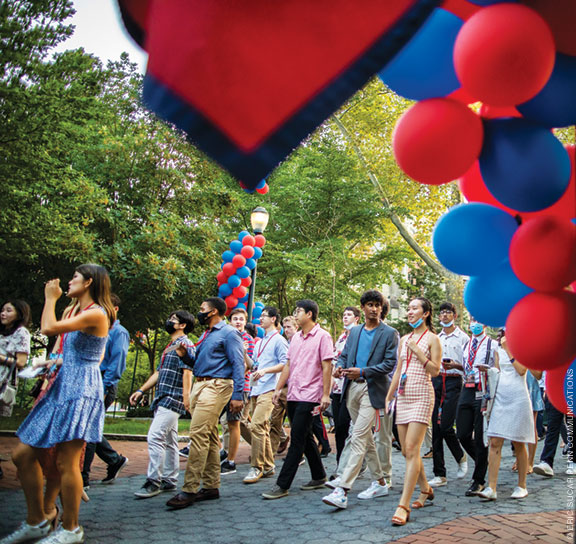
164,353
260,350
409,355
202,338
469,363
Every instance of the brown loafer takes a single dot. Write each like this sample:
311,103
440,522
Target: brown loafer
207,495
182,500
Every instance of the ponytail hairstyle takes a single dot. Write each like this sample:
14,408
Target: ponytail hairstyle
426,307
100,288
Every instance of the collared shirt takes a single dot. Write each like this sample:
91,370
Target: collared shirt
270,351
114,362
481,354
247,339
338,383
306,354
221,355
170,371
453,345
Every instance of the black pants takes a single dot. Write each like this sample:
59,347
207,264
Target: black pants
319,431
301,442
470,432
341,422
103,449
555,420
445,430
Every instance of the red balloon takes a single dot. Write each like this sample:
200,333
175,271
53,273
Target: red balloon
543,253
231,301
248,240
497,112
561,16
504,54
227,312
228,269
247,252
263,190
462,96
437,140
555,387
239,292
540,330
259,240
221,277
246,281
238,261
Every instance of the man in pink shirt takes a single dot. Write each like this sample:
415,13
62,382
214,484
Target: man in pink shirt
308,370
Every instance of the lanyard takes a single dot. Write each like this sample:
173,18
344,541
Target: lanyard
469,363
409,355
261,349
164,353
202,338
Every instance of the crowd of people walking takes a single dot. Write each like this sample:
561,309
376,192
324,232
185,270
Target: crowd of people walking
382,389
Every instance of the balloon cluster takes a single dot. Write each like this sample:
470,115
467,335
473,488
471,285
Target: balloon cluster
234,279
262,188
516,237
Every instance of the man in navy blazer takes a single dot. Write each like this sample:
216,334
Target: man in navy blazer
367,362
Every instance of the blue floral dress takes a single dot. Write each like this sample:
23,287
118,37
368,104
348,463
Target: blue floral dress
73,408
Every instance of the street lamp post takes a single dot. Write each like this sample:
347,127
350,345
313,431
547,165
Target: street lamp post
259,221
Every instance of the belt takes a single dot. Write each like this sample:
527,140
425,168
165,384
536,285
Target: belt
204,378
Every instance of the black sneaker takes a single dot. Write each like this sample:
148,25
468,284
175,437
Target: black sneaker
223,454
149,489
474,489
113,470
227,467
184,452
167,486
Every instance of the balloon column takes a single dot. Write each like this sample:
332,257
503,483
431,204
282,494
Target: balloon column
234,279
516,238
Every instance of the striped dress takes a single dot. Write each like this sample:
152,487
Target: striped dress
417,402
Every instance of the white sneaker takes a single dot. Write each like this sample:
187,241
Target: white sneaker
462,468
375,490
254,474
26,533
488,494
333,483
543,469
337,498
388,482
62,536
438,481
519,493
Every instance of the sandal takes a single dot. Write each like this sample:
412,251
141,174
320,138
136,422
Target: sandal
55,520
429,497
399,521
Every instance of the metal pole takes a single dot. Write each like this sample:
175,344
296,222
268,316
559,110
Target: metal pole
251,292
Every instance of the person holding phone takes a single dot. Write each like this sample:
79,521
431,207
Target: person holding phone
447,387
419,361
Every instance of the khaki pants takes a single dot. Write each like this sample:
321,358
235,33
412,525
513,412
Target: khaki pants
362,440
261,409
383,439
207,401
277,433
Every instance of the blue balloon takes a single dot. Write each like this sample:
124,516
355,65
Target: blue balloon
569,381
259,304
554,105
256,321
224,290
261,184
257,312
424,67
227,256
241,306
523,164
236,246
250,191
251,264
243,299
257,253
261,332
243,272
472,239
243,234
234,281
490,297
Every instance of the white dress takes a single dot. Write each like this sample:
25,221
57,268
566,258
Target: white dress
511,416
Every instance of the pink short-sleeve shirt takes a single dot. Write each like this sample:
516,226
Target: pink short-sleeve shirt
306,354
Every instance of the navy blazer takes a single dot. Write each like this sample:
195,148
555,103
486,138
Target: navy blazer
381,361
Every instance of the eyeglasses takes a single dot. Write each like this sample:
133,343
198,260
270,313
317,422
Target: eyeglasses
297,311
446,312
264,315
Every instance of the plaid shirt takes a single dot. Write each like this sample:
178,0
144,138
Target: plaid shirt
170,371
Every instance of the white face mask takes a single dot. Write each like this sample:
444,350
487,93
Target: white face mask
447,324
348,327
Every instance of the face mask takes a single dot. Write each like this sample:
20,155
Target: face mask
447,324
169,327
348,327
202,317
417,324
476,328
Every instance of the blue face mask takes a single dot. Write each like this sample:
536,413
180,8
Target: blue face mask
447,324
417,324
348,327
476,328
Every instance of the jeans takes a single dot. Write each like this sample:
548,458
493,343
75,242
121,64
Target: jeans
301,442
